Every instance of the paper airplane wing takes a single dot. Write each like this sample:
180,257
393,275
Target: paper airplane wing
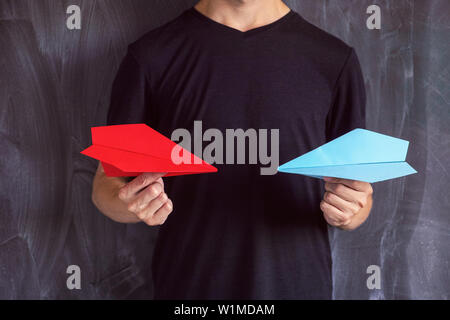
129,150
358,155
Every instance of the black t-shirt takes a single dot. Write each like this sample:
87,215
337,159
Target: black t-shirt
237,234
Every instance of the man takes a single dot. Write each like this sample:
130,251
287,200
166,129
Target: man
237,234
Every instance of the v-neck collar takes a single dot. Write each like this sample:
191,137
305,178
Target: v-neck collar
238,32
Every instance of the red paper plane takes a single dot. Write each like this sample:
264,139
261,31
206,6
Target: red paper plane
131,149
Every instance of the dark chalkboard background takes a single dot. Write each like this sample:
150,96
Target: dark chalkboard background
55,85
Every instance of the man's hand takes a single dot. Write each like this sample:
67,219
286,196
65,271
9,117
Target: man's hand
346,203
145,198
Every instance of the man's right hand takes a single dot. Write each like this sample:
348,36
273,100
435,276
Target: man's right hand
144,197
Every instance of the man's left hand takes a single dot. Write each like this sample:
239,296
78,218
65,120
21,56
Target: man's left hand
346,203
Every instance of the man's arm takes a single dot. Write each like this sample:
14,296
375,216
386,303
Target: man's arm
346,203
142,199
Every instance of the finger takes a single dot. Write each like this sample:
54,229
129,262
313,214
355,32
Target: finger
331,222
343,191
163,213
132,188
332,212
148,212
144,197
346,193
353,184
348,208
161,181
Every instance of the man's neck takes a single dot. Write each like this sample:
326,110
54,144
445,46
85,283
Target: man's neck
243,15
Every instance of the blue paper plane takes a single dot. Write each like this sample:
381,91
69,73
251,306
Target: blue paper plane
361,155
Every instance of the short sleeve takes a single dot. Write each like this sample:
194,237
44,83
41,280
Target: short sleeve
349,100
130,94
